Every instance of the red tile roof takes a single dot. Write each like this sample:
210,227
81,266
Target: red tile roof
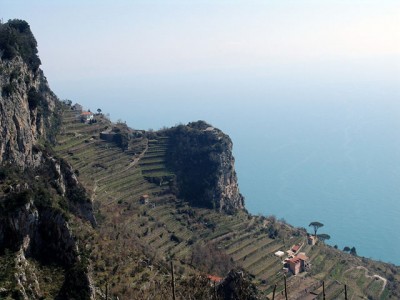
298,258
295,248
214,278
295,260
302,256
86,113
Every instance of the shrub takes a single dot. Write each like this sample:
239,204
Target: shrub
16,38
208,258
42,198
34,98
15,200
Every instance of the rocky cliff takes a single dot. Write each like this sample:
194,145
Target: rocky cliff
28,109
201,157
38,191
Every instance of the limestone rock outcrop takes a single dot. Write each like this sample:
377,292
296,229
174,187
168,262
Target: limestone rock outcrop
28,112
201,157
37,190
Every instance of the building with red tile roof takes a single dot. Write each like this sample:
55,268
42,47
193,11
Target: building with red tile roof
298,263
214,279
86,116
295,248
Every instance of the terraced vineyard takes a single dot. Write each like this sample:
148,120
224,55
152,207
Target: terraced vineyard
168,228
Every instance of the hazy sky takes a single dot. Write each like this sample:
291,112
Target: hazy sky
186,52
113,38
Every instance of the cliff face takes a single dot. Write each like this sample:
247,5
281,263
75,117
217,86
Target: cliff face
201,157
28,113
38,191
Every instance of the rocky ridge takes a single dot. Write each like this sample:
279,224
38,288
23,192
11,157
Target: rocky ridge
28,113
201,157
37,190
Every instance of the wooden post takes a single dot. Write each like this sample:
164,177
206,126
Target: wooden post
284,278
173,281
273,293
215,292
323,290
345,292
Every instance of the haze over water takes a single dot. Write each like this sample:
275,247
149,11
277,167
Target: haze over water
308,91
307,148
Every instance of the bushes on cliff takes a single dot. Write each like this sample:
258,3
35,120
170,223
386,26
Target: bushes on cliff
194,157
34,98
121,137
15,200
16,38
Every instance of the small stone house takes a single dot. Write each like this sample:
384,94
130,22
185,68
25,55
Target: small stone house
86,116
297,264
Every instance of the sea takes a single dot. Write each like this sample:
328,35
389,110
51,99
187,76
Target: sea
310,143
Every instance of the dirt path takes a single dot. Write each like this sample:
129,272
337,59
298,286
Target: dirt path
370,276
131,165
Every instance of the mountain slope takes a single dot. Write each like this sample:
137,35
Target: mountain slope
98,210
39,193
164,227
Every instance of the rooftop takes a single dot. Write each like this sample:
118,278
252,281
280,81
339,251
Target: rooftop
214,278
86,113
295,248
298,258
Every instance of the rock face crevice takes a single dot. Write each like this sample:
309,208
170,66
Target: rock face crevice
201,157
24,125
43,234
38,192
227,188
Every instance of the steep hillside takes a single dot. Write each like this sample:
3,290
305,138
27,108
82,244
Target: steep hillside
201,157
39,193
144,214
28,109
90,209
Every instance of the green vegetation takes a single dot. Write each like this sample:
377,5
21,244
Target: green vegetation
316,225
134,234
129,251
154,197
323,237
16,38
193,157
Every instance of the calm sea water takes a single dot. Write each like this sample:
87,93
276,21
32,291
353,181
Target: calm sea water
308,147
338,164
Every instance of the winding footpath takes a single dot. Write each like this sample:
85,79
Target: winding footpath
370,276
131,165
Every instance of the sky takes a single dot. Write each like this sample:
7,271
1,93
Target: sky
81,40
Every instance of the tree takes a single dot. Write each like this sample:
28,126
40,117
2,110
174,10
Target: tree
67,102
99,111
316,226
323,237
353,251
346,249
